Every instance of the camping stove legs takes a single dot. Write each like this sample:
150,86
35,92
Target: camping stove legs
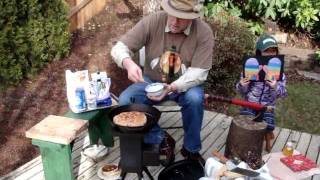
131,153
140,175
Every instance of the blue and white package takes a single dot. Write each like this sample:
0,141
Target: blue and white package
102,86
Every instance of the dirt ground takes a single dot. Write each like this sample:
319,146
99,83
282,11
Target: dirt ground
23,106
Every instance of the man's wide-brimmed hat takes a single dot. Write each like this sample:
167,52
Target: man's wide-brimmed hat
184,9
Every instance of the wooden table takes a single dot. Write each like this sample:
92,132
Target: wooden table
278,170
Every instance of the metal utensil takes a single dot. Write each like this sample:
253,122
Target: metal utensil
234,168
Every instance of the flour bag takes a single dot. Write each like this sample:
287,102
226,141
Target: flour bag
77,89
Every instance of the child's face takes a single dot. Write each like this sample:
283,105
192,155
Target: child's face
269,52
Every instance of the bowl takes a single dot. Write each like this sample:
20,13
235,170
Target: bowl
154,89
109,171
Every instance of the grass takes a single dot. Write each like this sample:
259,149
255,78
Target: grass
300,110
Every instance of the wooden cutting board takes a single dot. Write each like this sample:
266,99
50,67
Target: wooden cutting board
57,129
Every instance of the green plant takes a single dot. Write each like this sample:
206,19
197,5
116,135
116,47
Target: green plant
233,40
257,28
32,33
306,14
267,8
317,57
214,9
302,15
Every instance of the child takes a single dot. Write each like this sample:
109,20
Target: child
265,92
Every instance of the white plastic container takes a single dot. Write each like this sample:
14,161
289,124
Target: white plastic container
154,89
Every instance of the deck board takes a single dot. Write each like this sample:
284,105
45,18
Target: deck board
214,132
313,150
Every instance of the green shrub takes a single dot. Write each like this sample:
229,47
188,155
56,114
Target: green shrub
317,58
32,33
303,15
233,40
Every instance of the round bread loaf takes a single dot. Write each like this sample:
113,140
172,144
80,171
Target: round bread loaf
109,168
130,119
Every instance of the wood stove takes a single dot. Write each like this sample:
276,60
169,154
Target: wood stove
135,155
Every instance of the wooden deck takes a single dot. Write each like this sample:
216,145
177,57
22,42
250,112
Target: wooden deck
213,134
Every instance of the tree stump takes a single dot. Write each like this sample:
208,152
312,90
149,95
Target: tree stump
245,140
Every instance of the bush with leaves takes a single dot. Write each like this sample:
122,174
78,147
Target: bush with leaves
299,14
32,33
214,9
233,40
317,57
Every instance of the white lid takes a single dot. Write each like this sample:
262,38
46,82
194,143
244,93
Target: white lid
289,144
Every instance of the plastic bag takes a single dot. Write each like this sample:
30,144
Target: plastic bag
101,85
77,89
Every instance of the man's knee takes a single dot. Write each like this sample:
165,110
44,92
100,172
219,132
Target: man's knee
195,96
133,94
124,99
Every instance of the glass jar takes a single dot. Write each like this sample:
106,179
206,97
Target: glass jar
288,149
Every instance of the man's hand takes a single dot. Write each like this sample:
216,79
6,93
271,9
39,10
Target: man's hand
272,83
167,89
134,71
244,82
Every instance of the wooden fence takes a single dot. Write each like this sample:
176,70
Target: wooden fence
83,10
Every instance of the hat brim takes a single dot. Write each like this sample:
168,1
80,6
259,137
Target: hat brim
177,13
269,45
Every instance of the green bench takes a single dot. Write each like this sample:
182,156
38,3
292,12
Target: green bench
55,136
99,126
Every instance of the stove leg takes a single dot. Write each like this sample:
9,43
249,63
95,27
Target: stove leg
148,172
123,175
140,176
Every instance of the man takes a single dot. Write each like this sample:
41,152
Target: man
180,29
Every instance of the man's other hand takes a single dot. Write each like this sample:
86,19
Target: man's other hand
167,89
134,71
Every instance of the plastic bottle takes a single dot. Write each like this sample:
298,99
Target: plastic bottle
92,98
80,99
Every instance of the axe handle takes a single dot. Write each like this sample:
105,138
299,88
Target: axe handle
251,105
219,156
232,174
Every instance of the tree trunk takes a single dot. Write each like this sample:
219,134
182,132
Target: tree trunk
245,140
151,6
